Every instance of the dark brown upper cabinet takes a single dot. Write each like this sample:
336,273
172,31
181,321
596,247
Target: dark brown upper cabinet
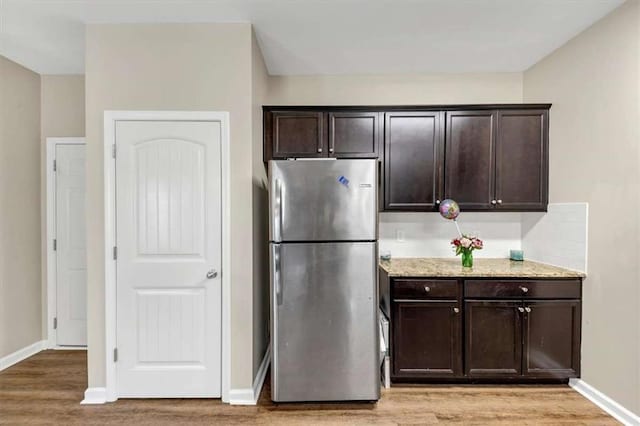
320,134
413,157
486,157
522,159
469,170
295,134
354,134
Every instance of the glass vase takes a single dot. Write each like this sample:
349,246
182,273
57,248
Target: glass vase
467,258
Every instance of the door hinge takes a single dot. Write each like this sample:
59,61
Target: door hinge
55,166
115,354
55,323
55,244
115,253
113,150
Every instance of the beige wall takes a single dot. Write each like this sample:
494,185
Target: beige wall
259,87
389,89
61,114
173,67
593,83
62,111
20,267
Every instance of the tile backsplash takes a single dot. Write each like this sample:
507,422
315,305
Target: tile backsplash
429,235
558,237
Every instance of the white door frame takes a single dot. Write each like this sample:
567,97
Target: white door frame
50,235
110,119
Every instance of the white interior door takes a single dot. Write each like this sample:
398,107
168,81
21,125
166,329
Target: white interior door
168,221
71,270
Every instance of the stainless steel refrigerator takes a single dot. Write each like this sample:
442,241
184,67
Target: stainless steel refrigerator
323,252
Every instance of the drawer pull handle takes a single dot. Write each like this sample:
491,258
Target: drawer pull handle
524,289
521,309
528,309
427,288
456,310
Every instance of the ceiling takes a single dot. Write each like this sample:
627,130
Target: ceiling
321,36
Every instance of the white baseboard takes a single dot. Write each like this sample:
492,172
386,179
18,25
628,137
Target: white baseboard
69,348
95,396
249,396
22,354
616,410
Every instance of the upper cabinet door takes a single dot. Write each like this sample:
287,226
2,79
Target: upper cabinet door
296,134
522,160
469,176
354,134
413,160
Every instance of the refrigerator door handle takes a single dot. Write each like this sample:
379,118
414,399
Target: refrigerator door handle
277,267
281,195
279,206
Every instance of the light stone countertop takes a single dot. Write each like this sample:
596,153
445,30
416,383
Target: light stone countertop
484,268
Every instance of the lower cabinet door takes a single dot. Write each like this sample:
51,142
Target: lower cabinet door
493,338
427,339
552,339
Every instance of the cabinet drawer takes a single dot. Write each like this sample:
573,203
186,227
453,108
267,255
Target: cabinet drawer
522,289
425,289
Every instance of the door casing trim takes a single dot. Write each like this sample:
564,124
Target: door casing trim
110,119
51,283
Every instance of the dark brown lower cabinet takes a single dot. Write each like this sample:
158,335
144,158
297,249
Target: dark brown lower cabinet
483,329
427,339
493,338
552,339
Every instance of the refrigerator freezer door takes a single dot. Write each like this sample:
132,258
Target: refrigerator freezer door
325,328
321,200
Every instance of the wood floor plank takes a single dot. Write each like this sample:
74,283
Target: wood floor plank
48,387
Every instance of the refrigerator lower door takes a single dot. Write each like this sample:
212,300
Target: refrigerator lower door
325,322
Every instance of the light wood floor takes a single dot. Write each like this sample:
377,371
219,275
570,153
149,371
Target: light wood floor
47,389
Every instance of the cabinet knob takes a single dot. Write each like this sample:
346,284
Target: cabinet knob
456,310
524,289
493,202
330,149
528,309
319,149
437,201
521,309
427,288
499,201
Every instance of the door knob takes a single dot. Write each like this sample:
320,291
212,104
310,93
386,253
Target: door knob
212,274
